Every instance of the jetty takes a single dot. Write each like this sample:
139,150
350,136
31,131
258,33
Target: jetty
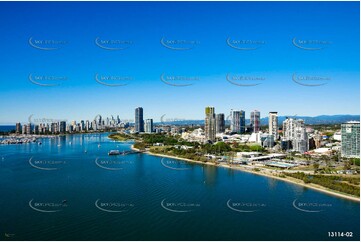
125,152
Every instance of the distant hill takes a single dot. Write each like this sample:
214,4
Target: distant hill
321,119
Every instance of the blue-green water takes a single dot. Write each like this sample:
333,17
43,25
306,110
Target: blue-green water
68,188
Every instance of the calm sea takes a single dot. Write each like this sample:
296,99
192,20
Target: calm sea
68,188
6,128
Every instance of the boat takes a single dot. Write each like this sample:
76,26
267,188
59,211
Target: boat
114,152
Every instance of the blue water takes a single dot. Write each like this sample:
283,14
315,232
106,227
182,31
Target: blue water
7,128
68,188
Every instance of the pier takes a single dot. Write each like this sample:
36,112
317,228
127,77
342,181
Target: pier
125,152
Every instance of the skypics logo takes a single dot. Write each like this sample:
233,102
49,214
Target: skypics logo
310,207
178,81
112,165
244,80
167,121
113,44
245,207
310,44
43,120
310,80
113,206
47,165
46,80
179,45
246,45
48,207
112,80
47,45
178,165
179,207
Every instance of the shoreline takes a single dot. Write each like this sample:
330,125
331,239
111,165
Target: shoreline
290,180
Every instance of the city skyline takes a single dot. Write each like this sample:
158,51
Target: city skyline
209,71
180,121
162,118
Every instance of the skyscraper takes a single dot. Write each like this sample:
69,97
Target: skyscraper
24,128
210,124
62,127
300,142
273,124
139,121
238,121
87,125
294,130
36,129
28,129
82,125
350,139
220,124
255,120
18,128
148,126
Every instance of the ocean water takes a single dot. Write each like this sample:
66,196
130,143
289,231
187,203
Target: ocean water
68,188
6,128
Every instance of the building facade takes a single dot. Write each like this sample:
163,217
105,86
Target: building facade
18,128
210,124
220,123
139,121
238,121
273,124
350,139
62,127
255,120
294,130
148,125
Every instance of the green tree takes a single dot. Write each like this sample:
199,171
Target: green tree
315,167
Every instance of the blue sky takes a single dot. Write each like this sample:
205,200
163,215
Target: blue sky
335,25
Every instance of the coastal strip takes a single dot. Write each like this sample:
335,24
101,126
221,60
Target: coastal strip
290,180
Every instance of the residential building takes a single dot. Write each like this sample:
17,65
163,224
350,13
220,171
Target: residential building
255,120
273,124
220,123
238,121
139,121
148,126
210,124
350,139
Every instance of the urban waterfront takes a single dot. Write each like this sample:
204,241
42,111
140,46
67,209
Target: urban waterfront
68,188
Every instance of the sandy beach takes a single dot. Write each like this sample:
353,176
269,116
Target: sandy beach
287,179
